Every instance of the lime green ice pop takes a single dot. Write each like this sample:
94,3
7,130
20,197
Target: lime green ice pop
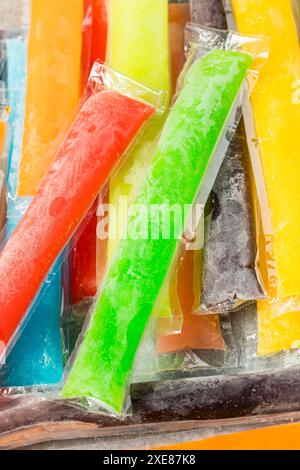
104,363
137,47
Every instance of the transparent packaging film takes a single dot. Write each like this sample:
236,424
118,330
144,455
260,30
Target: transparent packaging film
271,126
230,271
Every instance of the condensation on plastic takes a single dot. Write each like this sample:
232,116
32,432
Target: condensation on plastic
111,395
230,272
274,155
109,83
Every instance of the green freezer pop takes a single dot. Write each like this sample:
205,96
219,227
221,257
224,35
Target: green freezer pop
105,360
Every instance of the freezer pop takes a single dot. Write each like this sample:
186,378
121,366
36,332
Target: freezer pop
137,47
83,259
229,253
277,113
53,85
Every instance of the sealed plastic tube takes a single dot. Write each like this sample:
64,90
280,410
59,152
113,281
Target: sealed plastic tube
197,333
103,367
276,112
137,47
99,34
52,95
105,126
37,357
83,258
230,272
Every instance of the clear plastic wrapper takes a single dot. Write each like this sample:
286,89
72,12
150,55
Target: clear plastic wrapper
230,272
63,200
103,364
83,258
272,128
137,31
138,47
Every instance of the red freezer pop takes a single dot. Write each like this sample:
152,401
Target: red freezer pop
99,36
83,259
104,128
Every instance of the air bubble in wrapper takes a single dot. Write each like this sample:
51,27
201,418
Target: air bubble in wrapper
93,147
103,366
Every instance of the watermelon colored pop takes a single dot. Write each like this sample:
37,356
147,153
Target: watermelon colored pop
105,360
104,128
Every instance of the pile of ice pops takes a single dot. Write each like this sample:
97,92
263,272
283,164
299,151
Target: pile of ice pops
148,184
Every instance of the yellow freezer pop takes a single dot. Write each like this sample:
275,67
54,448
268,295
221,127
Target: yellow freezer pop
53,84
276,106
279,333
138,48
